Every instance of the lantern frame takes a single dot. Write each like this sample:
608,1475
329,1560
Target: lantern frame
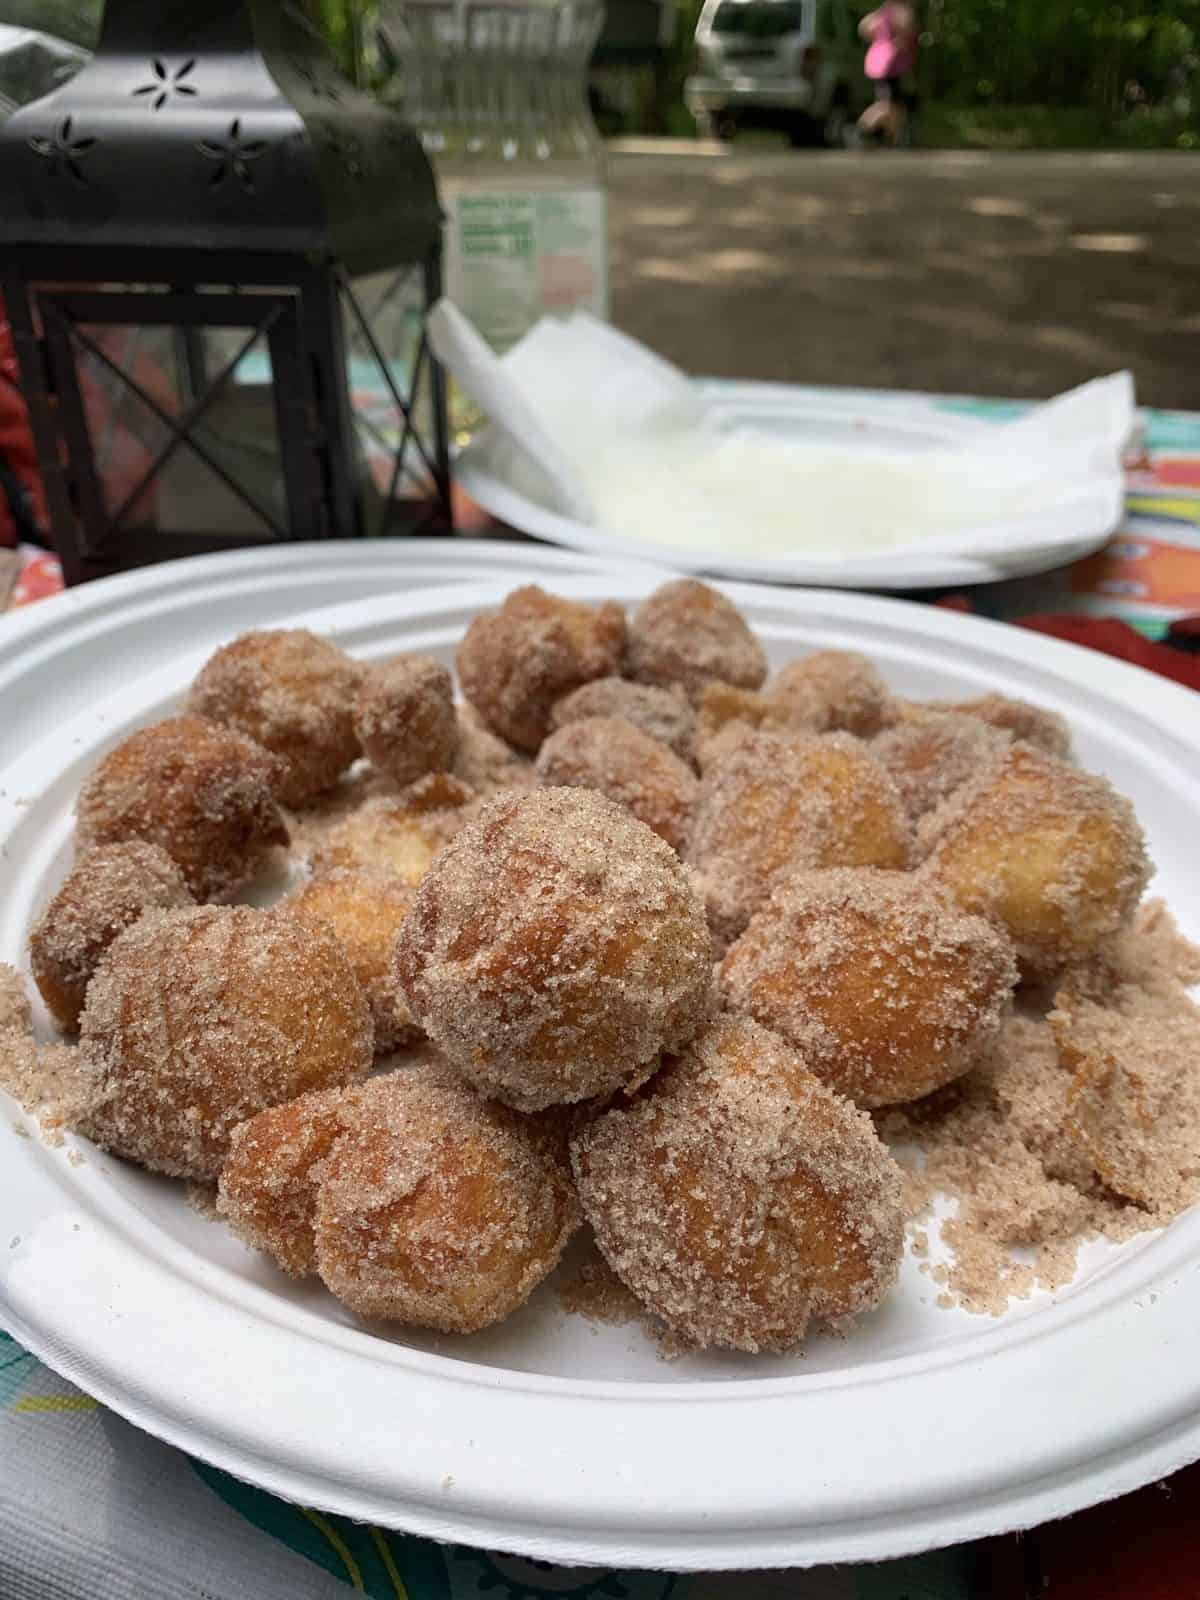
213,168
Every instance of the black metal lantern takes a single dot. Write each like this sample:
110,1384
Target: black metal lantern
217,256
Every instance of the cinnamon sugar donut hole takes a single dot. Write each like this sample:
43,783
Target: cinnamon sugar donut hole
404,718
1035,725
514,663
931,756
437,1208
400,833
831,691
776,803
294,693
199,1018
555,948
364,907
105,892
484,762
267,1190
204,793
737,1197
886,988
686,634
638,772
664,714
1053,854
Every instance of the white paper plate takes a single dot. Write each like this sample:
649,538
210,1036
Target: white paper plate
1076,527
551,1436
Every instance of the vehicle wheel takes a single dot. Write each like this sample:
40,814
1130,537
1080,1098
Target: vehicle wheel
838,128
715,125
805,132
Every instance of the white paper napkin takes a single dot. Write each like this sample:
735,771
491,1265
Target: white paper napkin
589,423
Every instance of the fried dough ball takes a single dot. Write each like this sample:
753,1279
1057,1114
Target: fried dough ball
205,793
1053,854
832,691
267,1190
780,802
686,634
662,713
438,1208
294,693
555,949
738,1197
198,1019
724,715
105,892
887,989
400,834
365,907
932,756
404,718
514,663
413,1198
484,762
1031,724
611,755
15,1015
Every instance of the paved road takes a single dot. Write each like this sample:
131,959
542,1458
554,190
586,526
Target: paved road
993,274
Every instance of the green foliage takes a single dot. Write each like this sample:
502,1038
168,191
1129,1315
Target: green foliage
1076,54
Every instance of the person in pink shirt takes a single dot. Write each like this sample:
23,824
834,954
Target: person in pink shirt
891,34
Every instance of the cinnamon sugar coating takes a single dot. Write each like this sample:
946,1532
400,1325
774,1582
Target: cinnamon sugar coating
665,714
364,907
15,1015
404,718
887,989
1054,854
832,691
199,1018
105,892
777,803
440,1208
932,756
737,1197
414,1199
638,772
686,634
398,833
514,663
267,1189
293,693
1133,1101
484,762
204,793
555,948
1021,720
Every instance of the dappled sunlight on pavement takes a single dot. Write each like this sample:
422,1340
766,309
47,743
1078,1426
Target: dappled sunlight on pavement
956,270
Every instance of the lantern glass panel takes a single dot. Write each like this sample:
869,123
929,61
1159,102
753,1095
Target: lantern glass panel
176,445
389,375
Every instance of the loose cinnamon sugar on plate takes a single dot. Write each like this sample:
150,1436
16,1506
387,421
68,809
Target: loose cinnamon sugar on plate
14,1002
1082,1124
48,1080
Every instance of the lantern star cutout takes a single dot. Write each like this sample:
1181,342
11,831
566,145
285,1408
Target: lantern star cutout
233,154
62,151
166,83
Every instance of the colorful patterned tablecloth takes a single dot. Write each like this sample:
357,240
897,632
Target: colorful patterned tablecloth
92,1509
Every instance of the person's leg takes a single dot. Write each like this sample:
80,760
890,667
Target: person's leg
874,120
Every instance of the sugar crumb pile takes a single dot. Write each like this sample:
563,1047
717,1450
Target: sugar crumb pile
1084,1122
